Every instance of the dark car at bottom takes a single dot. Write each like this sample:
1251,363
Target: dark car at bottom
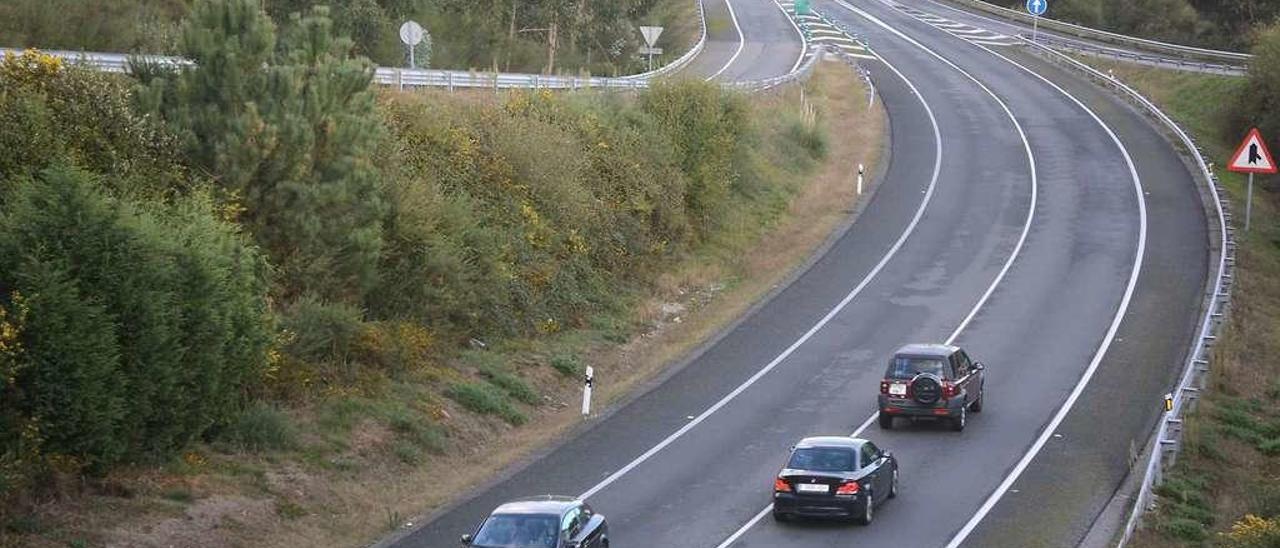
834,477
541,522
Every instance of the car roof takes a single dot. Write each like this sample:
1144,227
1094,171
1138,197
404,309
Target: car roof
927,350
547,504
831,441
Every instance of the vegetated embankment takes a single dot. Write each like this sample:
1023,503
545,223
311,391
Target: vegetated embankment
256,302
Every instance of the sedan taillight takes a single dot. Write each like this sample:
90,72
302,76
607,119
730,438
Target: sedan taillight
848,488
781,486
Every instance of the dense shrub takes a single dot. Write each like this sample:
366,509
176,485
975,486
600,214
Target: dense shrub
1257,104
142,329
52,113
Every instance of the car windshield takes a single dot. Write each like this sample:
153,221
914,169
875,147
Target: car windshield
907,368
824,459
517,531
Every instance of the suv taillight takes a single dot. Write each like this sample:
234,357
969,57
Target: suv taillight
949,390
848,488
781,486
884,387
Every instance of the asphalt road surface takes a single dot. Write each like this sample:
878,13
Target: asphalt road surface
1065,252
746,40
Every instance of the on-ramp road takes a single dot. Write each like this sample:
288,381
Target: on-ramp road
1049,230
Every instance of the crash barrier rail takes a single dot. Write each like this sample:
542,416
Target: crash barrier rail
688,55
1138,57
451,79
1189,52
1166,442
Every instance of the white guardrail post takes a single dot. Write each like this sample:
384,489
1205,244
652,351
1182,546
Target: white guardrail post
1165,443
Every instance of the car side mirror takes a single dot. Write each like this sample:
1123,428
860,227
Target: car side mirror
466,540
979,366
886,455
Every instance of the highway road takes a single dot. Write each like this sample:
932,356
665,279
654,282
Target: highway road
1024,215
746,40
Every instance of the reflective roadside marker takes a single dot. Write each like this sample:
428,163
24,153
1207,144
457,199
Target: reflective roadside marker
587,381
1168,402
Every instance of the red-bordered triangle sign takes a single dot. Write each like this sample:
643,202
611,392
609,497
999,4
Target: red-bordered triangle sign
1253,156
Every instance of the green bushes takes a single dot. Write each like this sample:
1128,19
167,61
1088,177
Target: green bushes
486,399
142,329
260,427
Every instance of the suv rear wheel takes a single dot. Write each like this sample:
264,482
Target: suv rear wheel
886,421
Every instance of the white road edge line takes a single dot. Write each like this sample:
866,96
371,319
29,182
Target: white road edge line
911,227
1017,250
742,41
1106,341
804,44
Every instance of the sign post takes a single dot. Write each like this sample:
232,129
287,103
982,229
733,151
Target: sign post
651,35
1252,157
1036,8
411,34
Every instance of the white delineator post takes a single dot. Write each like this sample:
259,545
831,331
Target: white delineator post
860,172
587,381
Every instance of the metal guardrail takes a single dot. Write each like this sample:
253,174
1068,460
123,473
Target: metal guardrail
1140,58
1230,57
1166,441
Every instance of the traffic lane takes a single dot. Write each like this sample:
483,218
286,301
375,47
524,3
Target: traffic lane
1036,335
702,487
772,43
722,42
1070,482
632,427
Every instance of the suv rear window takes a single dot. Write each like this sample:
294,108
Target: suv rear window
824,459
906,368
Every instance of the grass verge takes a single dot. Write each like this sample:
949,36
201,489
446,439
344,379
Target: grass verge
1225,488
361,460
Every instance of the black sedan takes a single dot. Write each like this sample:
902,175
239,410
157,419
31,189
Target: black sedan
834,477
542,522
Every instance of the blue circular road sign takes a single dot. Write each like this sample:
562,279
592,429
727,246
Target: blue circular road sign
1037,7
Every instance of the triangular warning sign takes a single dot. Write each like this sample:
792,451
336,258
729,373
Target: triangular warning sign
1253,156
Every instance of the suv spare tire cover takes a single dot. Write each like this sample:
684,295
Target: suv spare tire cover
927,388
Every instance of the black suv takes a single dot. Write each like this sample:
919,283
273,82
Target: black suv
931,380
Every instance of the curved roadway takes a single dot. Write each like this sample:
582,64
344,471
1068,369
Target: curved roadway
746,40
1065,251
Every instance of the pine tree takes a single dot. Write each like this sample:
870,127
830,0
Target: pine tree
287,126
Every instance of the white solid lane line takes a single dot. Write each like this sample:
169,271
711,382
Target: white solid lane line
906,233
1017,250
742,41
1106,341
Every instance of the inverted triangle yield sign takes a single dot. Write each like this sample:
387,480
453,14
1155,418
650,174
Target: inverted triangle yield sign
1253,156
651,35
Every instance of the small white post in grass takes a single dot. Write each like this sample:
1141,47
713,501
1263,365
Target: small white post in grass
587,381
861,169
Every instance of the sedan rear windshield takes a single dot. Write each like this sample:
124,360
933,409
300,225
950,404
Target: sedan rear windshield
824,459
908,368
517,531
